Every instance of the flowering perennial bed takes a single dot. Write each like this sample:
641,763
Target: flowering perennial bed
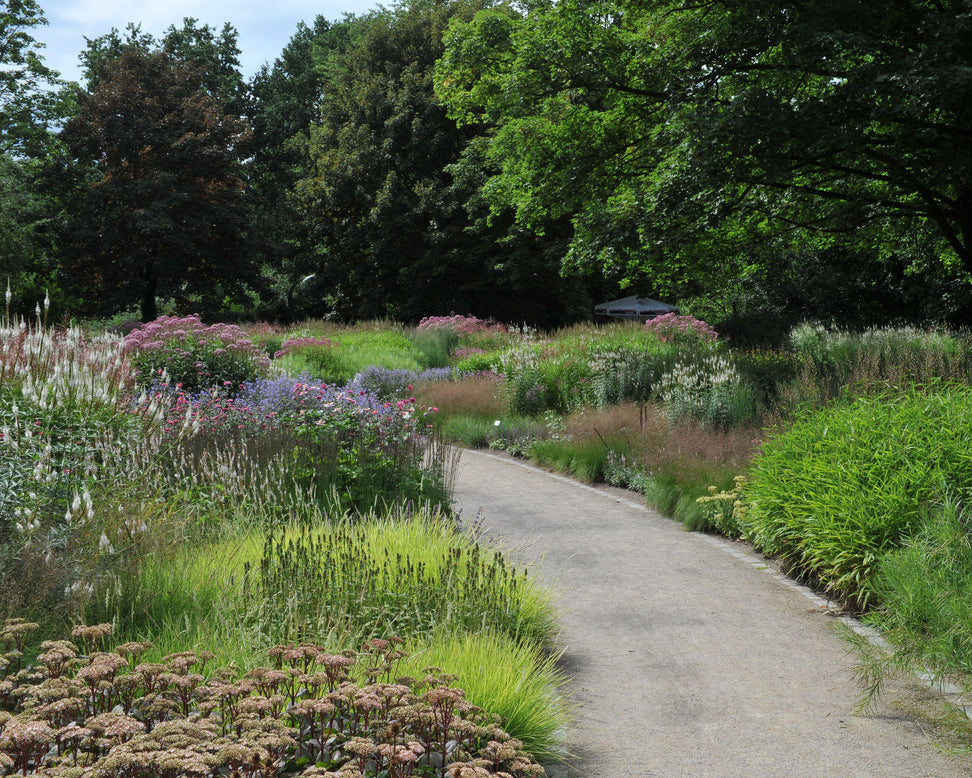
84,713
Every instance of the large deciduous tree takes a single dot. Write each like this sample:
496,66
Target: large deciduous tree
657,125
163,213
31,103
390,190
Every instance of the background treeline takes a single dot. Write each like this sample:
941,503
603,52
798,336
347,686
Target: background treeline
756,163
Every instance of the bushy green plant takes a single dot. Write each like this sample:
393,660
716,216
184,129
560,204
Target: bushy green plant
723,510
767,373
708,389
844,485
484,362
193,355
923,592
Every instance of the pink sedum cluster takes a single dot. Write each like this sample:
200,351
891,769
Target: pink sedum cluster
675,327
461,325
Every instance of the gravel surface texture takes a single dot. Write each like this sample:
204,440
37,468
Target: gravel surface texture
689,655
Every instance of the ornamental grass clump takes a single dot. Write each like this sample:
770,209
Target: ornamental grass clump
192,355
923,594
307,712
844,485
840,363
415,575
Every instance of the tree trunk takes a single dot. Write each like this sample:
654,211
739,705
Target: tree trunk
149,310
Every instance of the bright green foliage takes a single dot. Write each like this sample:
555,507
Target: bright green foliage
844,485
662,125
348,351
408,577
515,681
924,592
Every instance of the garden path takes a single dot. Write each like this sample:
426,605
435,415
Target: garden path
689,655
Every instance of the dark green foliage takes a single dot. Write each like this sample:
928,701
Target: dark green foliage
163,212
389,193
766,372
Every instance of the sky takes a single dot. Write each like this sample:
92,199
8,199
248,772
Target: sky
264,26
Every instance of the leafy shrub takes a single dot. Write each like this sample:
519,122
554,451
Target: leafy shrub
194,355
844,485
723,510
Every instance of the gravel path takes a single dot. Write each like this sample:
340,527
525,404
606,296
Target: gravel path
687,655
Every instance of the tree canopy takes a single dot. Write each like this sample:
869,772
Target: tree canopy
654,124
163,212
389,190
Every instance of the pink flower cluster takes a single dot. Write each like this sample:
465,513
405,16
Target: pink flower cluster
675,327
461,325
293,344
171,332
192,354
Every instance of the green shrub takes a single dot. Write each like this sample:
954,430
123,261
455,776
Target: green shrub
924,593
846,484
435,345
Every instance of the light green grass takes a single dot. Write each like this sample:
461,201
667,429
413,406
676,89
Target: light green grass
517,682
